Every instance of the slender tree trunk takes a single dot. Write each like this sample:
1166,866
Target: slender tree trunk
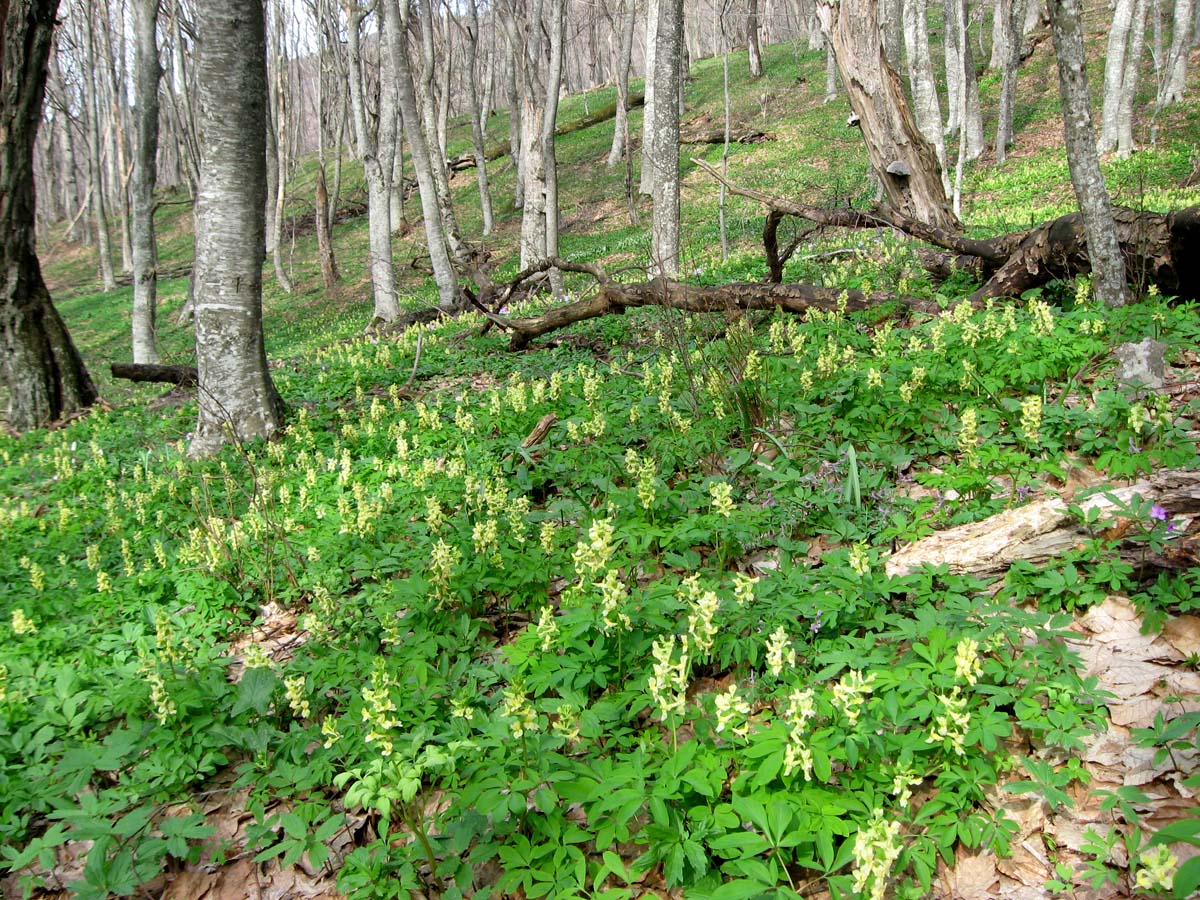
44,373
1129,82
903,161
433,138
753,49
435,238
649,151
831,73
1114,72
379,226
664,230
627,11
95,163
926,108
237,398
1013,11
891,26
147,73
1104,250
554,74
278,121
515,79
477,118
1175,82
321,205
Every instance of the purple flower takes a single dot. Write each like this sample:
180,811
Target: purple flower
816,624
1134,448
1157,512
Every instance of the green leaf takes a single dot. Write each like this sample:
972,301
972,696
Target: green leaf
740,889
1187,878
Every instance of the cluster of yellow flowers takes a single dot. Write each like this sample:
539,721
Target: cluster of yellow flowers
968,435
1031,418
876,849
614,597
851,692
703,605
378,709
518,708
801,709
669,679
643,471
733,712
780,652
721,494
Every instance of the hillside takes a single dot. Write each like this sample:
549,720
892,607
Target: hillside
627,613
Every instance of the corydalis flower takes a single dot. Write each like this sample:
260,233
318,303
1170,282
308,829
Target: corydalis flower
732,712
780,653
721,493
547,628
876,848
851,692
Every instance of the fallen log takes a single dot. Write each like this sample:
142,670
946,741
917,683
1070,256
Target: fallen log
613,299
184,376
717,136
1161,249
465,161
1044,529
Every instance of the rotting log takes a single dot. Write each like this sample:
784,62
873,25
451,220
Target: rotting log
602,114
1161,249
184,376
1044,529
717,136
613,299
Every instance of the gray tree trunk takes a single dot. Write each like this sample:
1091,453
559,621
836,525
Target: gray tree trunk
277,123
962,86
477,118
44,373
752,46
1012,12
926,108
903,161
1129,83
1175,82
147,73
554,76
435,238
891,26
515,80
433,138
651,55
379,222
99,205
1104,251
237,398
1114,72
668,86
627,11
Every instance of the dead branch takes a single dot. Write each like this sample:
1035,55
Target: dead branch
184,376
1040,531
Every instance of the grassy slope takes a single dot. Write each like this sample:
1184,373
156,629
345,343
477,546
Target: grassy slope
79,741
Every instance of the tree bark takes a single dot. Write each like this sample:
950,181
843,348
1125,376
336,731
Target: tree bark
668,86
554,74
753,49
1114,73
1129,83
277,123
95,164
434,138
154,373
903,160
379,225
237,399
435,237
649,151
477,119
926,107
44,373
147,73
1104,252
1011,15
1175,82
627,11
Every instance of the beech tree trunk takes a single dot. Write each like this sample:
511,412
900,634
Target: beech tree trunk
147,73
554,75
903,160
237,398
926,107
1010,15
1104,251
1115,72
95,162
435,238
44,373
1175,80
1129,83
477,118
434,136
379,223
668,87
627,11
649,151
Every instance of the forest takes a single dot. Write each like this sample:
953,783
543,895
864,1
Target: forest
610,449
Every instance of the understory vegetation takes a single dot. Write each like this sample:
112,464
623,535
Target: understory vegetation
612,614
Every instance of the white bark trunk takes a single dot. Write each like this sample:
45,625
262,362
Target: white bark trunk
1129,83
1104,250
664,233
648,149
147,73
926,108
1175,82
237,398
627,12
1114,73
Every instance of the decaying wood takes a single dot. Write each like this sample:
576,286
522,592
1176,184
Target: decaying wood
184,376
602,114
540,430
717,136
1044,529
1161,249
613,299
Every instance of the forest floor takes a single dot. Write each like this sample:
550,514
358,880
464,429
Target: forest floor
614,616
